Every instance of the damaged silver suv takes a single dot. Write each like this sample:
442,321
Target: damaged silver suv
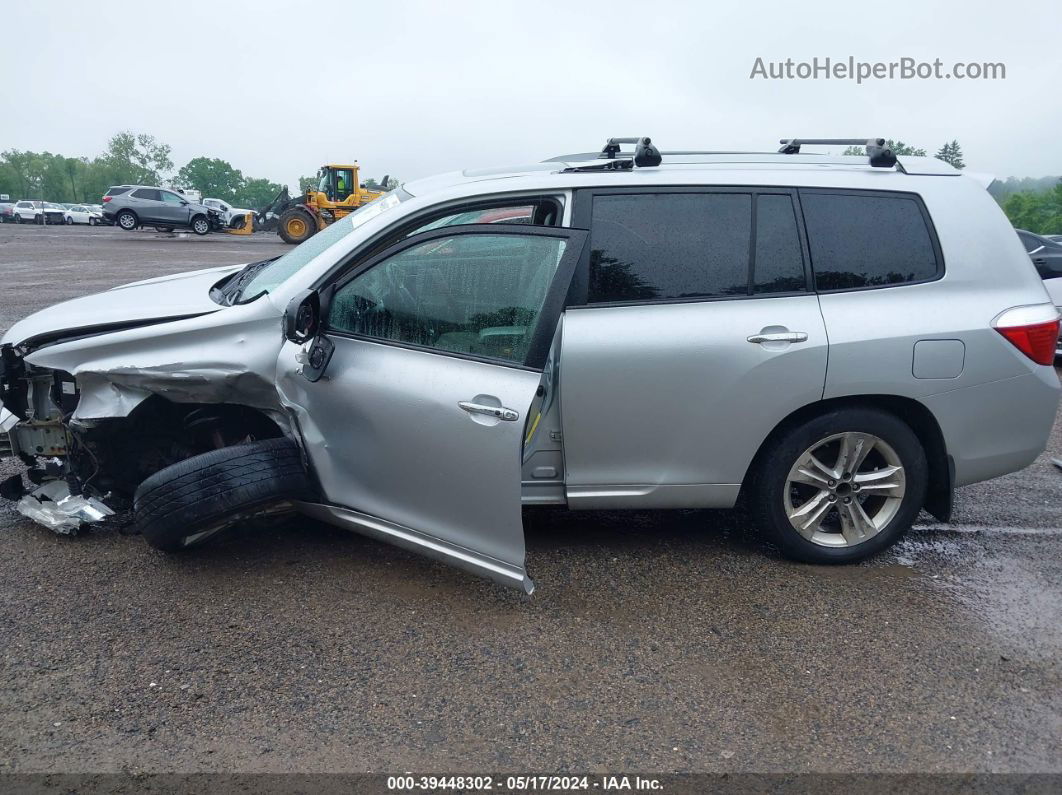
838,341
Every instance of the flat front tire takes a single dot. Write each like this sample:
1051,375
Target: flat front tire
194,500
840,487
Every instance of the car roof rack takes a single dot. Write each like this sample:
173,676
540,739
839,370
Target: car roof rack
613,158
880,155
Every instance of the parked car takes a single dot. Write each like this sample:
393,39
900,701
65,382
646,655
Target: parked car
82,214
7,212
1046,255
227,212
133,206
837,342
29,212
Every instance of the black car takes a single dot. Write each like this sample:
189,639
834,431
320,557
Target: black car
1045,253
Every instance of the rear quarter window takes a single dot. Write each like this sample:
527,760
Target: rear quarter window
117,191
865,240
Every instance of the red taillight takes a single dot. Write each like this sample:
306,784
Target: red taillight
1036,340
106,199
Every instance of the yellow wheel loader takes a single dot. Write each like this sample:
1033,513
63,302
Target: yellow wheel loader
338,192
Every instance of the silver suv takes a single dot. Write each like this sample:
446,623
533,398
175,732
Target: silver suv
838,342
133,206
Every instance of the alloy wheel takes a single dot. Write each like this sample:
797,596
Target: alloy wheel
850,499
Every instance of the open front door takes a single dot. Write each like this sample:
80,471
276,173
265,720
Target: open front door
415,431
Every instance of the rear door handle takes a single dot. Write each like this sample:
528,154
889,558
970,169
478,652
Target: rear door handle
779,336
502,413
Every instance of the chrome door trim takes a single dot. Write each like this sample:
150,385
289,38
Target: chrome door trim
421,543
502,413
779,336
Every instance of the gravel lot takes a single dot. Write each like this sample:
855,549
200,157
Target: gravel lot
655,641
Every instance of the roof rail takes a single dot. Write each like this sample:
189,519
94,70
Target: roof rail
880,156
612,158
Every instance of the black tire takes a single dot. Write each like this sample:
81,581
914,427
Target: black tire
289,232
18,219
185,504
779,456
127,220
92,221
69,221
201,225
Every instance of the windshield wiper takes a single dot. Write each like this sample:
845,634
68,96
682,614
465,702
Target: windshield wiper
232,290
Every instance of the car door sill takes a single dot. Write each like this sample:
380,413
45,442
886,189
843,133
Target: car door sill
421,543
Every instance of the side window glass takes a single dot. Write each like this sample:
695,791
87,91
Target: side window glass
171,198
867,240
523,214
1030,242
149,194
648,247
476,294
779,263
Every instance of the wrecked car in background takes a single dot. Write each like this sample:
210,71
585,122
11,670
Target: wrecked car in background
600,331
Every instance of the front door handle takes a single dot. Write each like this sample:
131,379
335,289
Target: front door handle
500,412
779,336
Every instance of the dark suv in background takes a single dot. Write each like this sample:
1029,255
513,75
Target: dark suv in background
133,206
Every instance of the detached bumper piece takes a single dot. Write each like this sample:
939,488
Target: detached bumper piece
53,506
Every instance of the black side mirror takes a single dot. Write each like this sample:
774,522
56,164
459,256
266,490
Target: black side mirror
302,318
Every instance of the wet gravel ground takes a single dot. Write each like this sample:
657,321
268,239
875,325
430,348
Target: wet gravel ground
655,641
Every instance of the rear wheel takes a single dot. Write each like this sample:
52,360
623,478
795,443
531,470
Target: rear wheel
193,500
841,487
200,225
296,225
127,220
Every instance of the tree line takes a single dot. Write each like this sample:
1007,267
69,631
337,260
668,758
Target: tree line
130,159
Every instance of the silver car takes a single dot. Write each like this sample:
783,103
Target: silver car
133,206
837,342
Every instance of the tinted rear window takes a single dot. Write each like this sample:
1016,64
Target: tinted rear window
867,240
651,247
117,191
147,193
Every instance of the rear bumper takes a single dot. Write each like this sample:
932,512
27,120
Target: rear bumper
999,427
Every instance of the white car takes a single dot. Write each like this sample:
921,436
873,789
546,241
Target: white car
225,210
82,214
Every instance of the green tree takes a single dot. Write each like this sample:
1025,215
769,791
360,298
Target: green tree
212,177
307,182
136,159
25,171
898,148
951,153
1038,212
257,193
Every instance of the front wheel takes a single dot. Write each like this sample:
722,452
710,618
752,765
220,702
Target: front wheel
92,221
69,221
18,219
841,487
296,225
193,500
200,225
127,220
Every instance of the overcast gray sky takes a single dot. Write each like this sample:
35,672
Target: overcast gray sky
415,88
